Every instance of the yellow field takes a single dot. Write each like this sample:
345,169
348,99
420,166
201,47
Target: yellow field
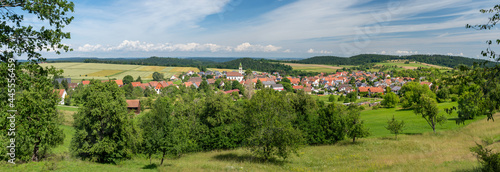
79,71
152,68
315,67
222,70
184,69
104,73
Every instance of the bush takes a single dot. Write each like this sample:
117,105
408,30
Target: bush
454,98
490,161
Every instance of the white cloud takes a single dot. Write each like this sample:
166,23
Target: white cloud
247,47
319,52
287,51
127,45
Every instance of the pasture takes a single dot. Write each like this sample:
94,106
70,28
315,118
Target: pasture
80,71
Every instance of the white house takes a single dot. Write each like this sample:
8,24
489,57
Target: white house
62,94
234,76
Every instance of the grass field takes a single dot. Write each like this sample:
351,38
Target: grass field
315,67
448,150
79,71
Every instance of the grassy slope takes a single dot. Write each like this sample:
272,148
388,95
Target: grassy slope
446,151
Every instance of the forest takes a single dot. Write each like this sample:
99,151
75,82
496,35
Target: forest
441,60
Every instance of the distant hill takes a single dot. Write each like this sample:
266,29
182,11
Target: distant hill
441,60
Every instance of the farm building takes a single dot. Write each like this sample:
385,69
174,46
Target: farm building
62,94
134,105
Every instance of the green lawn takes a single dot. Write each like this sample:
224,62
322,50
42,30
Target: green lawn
68,108
376,120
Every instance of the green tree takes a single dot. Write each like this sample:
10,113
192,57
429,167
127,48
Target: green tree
138,79
331,98
356,129
443,94
34,100
332,124
227,85
128,79
395,127
157,76
427,108
64,84
165,132
268,119
286,80
259,84
287,86
104,129
37,120
412,92
390,100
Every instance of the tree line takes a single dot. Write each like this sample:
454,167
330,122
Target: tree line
441,60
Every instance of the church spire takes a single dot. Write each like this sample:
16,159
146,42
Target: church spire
241,69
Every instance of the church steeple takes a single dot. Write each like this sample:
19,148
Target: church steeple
241,69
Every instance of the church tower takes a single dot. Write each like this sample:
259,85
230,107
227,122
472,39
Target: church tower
241,69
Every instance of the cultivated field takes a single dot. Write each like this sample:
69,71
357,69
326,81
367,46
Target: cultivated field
315,67
79,71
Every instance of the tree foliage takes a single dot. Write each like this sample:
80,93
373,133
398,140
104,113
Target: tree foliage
395,127
427,108
268,122
104,129
128,79
390,100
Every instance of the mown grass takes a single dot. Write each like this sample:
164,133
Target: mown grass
448,150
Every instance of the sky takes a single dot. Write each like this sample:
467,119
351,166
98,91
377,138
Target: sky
276,28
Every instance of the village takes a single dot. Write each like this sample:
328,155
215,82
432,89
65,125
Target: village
364,84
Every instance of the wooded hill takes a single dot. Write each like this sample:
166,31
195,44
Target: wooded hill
441,60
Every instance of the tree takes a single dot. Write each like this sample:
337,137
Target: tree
331,98
427,108
268,122
128,79
37,130
64,84
286,80
138,79
390,100
395,127
104,130
227,85
163,131
259,84
37,121
157,76
443,94
287,86
412,92
356,129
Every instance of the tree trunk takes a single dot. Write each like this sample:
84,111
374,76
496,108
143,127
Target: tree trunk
35,152
354,139
163,156
149,159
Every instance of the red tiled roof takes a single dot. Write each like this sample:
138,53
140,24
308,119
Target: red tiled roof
119,82
60,92
133,103
153,83
85,82
298,87
136,84
188,84
376,90
363,89
233,74
230,91
425,83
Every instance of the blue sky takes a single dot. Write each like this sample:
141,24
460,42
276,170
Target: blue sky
276,28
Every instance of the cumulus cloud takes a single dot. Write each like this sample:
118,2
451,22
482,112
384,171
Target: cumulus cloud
247,47
127,45
319,52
